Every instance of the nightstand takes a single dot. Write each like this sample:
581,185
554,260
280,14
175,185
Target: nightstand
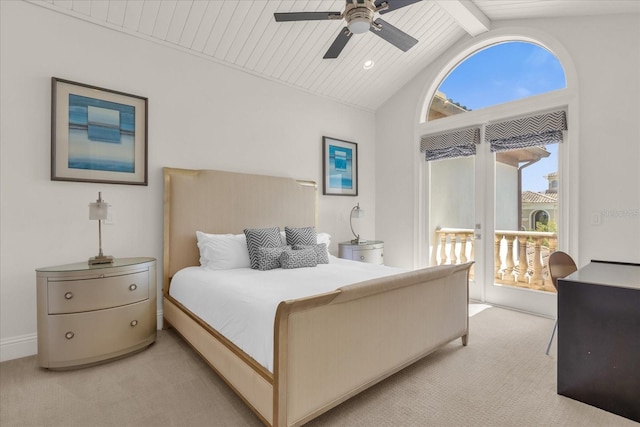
371,251
90,314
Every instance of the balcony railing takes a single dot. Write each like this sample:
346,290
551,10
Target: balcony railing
519,257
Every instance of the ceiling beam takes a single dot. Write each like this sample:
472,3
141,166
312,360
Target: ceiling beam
467,14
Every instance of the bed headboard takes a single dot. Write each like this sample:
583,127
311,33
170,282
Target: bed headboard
227,202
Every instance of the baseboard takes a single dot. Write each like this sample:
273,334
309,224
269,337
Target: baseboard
27,345
17,347
159,319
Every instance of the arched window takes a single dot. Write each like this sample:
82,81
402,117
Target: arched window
541,217
497,74
493,127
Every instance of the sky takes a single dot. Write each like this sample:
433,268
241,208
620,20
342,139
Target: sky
533,177
501,73
506,72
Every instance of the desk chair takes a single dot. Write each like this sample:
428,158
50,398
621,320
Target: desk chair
560,265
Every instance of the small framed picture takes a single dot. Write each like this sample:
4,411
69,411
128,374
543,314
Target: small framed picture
339,167
97,134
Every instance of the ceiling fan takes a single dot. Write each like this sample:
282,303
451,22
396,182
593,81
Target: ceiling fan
359,16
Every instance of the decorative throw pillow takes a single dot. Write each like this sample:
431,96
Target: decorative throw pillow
298,259
261,238
322,255
301,236
269,258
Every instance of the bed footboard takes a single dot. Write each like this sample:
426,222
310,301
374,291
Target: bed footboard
252,386
332,347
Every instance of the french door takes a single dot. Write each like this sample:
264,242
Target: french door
500,210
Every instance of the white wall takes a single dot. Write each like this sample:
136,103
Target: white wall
605,53
201,115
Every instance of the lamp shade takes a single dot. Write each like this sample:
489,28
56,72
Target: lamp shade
98,211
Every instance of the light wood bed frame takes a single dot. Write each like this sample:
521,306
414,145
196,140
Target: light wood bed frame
328,347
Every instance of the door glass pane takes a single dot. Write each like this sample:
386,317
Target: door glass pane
452,210
526,197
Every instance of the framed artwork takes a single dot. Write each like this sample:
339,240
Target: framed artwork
97,135
339,167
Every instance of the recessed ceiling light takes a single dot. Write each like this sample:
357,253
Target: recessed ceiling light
368,64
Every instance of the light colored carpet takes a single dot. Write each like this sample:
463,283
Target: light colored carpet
502,378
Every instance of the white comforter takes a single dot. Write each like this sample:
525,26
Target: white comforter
241,303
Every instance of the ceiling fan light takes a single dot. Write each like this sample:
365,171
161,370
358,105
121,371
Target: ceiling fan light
359,25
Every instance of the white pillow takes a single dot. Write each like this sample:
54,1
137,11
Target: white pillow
324,238
223,251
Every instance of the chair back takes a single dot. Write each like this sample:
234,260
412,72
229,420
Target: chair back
560,265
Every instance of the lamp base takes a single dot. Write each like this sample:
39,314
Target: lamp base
101,259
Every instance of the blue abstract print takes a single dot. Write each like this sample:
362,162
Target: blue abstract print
101,135
340,167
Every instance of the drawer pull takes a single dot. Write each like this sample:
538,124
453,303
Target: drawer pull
362,257
133,323
69,335
102,276
68,295
133,287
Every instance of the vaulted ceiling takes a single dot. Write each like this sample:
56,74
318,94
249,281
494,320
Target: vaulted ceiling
244,34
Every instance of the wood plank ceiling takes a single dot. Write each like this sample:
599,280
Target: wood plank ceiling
243,34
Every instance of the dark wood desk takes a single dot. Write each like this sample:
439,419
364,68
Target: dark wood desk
599,337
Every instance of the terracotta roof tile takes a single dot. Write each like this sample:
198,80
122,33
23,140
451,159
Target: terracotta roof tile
533,197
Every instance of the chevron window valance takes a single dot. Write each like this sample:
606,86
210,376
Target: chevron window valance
459,143
531,131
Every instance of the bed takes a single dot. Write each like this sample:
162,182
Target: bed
326,347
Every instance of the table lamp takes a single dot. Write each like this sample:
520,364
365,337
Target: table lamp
99,211
356,212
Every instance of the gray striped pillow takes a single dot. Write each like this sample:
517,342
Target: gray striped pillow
261,238
301,236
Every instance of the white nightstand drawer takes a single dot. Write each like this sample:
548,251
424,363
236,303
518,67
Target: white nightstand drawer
370,251
82,338
372,256
76,296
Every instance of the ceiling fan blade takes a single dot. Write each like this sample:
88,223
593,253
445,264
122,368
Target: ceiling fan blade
306,16
338,44
399,39
394,4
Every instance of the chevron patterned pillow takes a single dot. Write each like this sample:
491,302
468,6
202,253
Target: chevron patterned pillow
261,238
298,259
301,236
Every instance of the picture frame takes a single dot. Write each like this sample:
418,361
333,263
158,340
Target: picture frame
339,167
97,134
